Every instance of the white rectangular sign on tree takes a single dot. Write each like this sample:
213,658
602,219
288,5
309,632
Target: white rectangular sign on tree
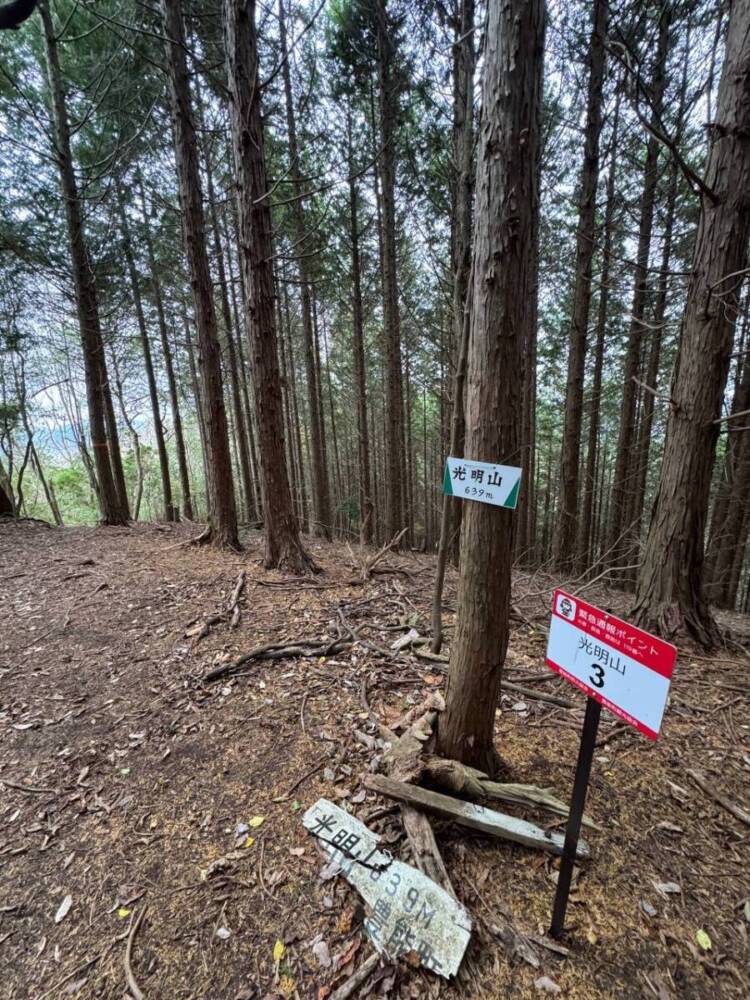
482,481
627,670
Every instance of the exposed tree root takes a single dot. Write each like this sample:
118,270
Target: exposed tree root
368,565
280,651
292,558
135,991
671,621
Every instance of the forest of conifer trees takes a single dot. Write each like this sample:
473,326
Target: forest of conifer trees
223,235
338,341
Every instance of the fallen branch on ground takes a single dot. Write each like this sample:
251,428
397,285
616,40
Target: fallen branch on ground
427,856
31,789
356,979
367,566
736,811
130,978
198,628
70,975
280,651
233,607
401,760
551,699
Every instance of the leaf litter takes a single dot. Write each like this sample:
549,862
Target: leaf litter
133,790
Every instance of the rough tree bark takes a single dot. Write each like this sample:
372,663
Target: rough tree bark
174,403
112,502
240,429
161,447
358,352
507,202
394,396
648,401
284,547
222,515
564,540
319,472
286,391
727,537
464,62
623,483
457,446
246,374
669,594
7,503
643,445
525,532
586,523
291,377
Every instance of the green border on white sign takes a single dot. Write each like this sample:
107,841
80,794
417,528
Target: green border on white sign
484,482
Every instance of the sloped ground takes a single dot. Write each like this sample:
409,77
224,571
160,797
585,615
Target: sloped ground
124,779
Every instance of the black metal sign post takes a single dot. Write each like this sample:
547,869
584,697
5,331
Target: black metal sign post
577,802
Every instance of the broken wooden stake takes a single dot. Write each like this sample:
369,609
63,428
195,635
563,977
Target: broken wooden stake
233,607
403,760
424,847
356,979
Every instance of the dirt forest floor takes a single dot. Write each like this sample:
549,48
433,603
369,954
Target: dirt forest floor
131,790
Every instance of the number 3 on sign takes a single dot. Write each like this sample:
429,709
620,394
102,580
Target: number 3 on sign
596,651
597,681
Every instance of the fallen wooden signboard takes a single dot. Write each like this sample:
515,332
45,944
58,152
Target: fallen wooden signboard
409,913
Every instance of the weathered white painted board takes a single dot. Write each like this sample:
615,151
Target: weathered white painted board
496,824
408,911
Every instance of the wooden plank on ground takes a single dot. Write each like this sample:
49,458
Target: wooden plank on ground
474,817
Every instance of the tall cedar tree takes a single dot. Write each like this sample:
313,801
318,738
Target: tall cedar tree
586,523
166,349
507,205
464,60
113,501
564,544
240,428
640,462
284,547
620,527
319,472
366,505
729,520
222,515
669,594
170,514
395,501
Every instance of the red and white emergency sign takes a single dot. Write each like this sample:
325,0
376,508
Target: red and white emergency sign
624,668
